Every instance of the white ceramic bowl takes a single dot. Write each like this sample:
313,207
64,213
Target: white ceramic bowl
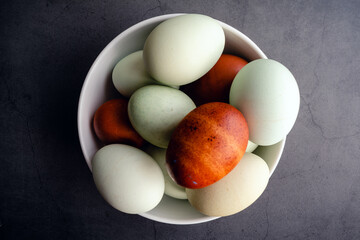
98,88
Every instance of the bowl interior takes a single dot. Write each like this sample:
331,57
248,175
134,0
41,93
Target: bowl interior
98,88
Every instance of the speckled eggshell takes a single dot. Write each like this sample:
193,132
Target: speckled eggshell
128,178
182,49
155,111
235,192
267,94
171,188
129,74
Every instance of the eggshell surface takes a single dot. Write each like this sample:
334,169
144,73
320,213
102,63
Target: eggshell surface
235,192
155,111
182,49
112,125
215,85
129,74
127,178
251,146
171,188
267,94
206,145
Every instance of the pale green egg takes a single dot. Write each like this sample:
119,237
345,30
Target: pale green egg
129,74
182,49
172,189
268,96
155,111
128,178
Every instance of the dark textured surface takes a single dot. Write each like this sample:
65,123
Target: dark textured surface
46,189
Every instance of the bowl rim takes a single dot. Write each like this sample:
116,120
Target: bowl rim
86,83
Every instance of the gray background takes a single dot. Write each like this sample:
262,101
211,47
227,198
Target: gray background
46,189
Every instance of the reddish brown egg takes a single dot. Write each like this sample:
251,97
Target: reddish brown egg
215,85
207,144
112,124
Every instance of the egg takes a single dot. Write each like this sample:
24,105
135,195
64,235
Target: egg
129,74
182,49
155,111
235,192
171,188
215,85
128,178
251,146
206,145
267,94
112,125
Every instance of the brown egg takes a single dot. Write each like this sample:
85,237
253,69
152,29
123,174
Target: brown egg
236,191
112,124
206,145
215,85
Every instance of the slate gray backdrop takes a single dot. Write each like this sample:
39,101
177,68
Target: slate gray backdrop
46,189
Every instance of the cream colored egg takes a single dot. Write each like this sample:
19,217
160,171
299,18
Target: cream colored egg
251,146
182,49
128,178
155,111
268,96
129,74
171,188
235,192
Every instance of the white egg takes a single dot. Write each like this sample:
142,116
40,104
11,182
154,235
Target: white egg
128,178
268,96
182,49
155,111
129,74
234,192
251,146
171,188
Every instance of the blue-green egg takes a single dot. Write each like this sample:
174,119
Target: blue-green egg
155,111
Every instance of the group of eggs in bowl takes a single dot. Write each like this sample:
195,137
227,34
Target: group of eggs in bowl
98,89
